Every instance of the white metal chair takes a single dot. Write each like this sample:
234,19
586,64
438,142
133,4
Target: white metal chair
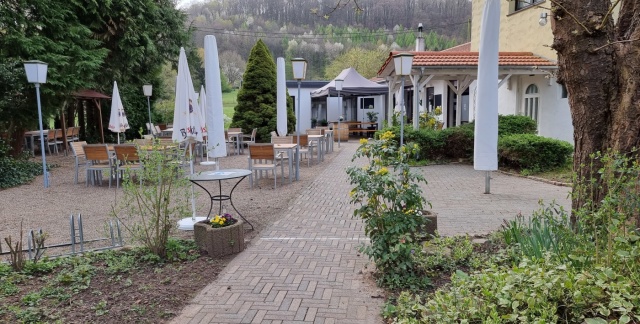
52,140
79,156
127,159
98,160
263,158
250,139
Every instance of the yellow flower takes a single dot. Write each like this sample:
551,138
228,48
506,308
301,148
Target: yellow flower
363,141
383,171
438,111
387,135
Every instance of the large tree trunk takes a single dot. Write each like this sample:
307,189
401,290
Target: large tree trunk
598,64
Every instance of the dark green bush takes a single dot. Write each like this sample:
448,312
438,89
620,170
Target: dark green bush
431,143
512,124
537,153
16,171
458,142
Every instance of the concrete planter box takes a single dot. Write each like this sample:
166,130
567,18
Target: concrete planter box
432,222
219,241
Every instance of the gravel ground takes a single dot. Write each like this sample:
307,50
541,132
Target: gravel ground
50,209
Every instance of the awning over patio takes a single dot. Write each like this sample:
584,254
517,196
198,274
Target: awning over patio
353,84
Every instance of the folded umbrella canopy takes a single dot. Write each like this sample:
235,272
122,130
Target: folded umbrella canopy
118,119
188,124
216,144
282,99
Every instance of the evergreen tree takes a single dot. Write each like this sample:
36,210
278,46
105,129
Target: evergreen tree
257,98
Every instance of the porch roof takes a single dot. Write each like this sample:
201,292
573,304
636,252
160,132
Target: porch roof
452,63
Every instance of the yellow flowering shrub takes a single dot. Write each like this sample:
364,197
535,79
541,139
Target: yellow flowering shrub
390,202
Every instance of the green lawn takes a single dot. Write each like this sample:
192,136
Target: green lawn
229,101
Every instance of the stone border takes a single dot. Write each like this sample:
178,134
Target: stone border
555,183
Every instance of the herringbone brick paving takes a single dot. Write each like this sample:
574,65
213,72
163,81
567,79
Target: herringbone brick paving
304,268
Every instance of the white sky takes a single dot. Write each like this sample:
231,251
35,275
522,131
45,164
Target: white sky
185,3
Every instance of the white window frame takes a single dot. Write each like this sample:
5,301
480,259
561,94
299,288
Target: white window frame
531,102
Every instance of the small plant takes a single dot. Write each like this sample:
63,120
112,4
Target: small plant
372,116
151,206
17,255
390,203
430,120
225,220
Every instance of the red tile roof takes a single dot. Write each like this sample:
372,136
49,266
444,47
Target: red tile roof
466,47
470,59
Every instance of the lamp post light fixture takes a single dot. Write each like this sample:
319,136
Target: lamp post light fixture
299,72
37,73
403,63
147,89
339,88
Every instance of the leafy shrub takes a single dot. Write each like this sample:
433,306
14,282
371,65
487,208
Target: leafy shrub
391,205
514,124
444,254
548,230
459,142
16,171
431,143
152,204
612,223
527,151
543,291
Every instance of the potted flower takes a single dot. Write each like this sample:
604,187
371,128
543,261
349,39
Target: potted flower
373,117
219,235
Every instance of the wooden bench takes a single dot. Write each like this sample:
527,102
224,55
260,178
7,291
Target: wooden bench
356,129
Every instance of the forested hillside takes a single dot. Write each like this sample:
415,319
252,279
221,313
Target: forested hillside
312,29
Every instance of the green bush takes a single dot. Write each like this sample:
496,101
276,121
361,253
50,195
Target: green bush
431,143
390,202
542,291
16,171
512,124
548,230
458,142
527,151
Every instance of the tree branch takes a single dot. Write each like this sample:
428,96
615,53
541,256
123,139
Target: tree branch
572,16
611,43
339,5
609,13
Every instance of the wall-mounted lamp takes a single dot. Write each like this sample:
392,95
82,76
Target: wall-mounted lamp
543,19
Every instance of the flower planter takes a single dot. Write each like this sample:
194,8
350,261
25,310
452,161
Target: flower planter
431,225
219,241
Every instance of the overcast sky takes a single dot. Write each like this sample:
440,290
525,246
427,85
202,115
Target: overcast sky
185,3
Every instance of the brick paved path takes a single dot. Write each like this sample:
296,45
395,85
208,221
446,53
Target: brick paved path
305,268
302,269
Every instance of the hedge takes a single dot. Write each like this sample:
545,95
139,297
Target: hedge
528,151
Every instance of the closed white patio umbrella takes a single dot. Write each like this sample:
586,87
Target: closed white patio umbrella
485,152
282,98
188,125
216,144
117,119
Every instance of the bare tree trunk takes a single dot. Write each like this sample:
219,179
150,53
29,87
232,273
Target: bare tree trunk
599,65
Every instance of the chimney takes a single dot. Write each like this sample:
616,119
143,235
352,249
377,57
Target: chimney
419,39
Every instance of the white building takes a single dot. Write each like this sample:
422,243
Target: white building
527,69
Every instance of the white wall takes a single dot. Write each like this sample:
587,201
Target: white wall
379,106
333,108
554,114
305,107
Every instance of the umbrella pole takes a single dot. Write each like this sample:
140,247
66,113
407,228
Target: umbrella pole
193,200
